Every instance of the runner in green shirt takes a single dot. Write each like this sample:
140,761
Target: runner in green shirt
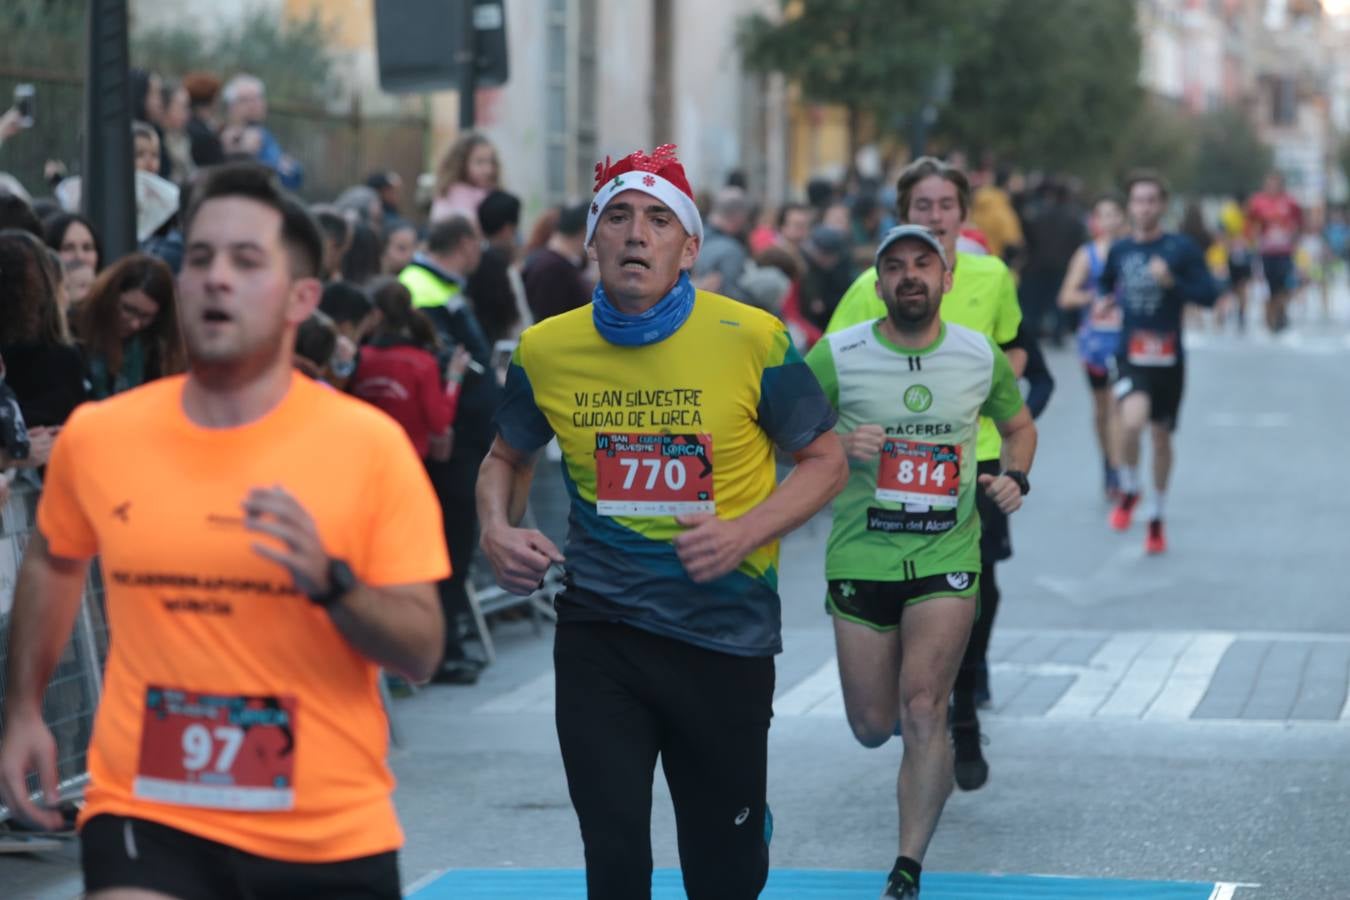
903,558
982,297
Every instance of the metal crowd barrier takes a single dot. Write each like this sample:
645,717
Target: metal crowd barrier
72,695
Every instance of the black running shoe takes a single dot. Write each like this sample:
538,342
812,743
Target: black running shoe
971,770
899,887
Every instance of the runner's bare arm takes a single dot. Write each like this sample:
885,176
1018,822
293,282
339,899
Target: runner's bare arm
1019,449
1073,293
714,547
399,627
46,601
1019,441
520,557
1017,358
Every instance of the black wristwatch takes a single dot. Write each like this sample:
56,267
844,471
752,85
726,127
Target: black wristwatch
341,582
1020,478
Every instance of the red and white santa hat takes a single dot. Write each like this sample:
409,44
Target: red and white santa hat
659,175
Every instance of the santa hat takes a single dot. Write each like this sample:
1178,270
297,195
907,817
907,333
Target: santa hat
659,175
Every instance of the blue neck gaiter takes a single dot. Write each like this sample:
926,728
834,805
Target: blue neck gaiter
650,327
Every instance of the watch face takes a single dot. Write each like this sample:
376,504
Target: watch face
341,581
340,574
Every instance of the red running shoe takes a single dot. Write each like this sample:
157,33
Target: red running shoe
1123,514
1156,542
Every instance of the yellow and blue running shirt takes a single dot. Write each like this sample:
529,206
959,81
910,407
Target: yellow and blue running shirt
983,298
684,425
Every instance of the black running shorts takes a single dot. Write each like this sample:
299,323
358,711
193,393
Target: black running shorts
122,852
1162,384
879,604
1278,269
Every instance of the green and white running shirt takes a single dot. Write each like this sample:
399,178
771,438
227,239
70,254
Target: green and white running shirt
911,513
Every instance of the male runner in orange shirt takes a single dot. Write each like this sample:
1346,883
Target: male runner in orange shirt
267,545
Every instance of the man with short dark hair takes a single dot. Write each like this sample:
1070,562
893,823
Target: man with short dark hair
1152,274
436,280
552,274
257,579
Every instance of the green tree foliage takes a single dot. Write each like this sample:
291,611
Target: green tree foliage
43,34
879,57
1054,89
1043,82
291,57
1160,137
1230,158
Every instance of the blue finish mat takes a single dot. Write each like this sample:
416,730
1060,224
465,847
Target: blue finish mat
815,884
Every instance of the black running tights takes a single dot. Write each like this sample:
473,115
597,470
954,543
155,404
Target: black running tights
625,697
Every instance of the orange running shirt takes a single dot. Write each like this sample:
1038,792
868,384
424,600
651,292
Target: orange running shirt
292,766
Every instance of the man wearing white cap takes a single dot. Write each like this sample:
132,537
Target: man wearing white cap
668,404
903,558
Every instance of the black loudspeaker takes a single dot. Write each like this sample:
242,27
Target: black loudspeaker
421,44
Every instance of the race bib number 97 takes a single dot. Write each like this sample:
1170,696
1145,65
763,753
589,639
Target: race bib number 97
915,472
653,474
217,751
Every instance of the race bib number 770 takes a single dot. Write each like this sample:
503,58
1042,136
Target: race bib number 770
653,474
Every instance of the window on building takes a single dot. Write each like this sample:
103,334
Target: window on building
1283,101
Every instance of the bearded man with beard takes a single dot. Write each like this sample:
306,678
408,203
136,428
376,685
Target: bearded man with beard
903,558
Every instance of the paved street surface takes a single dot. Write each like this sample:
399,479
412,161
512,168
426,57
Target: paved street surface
1182,718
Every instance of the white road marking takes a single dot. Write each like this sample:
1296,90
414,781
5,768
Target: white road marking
1096,685
1038,669
1189,679
1152,676
1143,681
1248,420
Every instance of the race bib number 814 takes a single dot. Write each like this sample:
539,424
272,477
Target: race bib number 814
915,472
653,474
